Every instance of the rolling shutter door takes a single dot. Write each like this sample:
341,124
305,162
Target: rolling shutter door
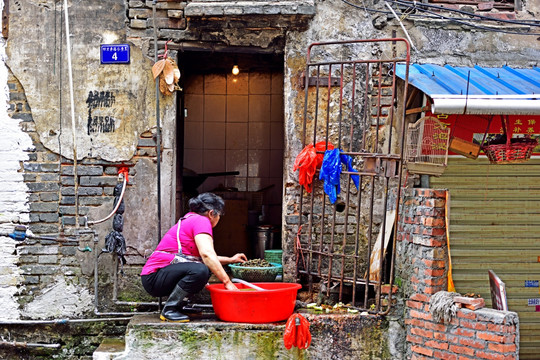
495,225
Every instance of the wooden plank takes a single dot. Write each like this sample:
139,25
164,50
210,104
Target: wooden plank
375,259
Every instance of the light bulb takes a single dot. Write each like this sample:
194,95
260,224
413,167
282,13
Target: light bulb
235,70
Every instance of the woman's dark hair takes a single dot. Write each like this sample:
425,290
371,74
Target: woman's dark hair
206,201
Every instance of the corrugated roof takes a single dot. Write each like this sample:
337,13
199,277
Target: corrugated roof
477,90
449,80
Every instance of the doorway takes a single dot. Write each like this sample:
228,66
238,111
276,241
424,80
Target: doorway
232,143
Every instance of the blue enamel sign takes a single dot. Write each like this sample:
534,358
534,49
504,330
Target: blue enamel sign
115,54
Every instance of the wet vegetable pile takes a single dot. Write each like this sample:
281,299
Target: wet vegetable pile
256,263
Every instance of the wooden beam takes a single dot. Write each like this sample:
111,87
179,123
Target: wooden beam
417,110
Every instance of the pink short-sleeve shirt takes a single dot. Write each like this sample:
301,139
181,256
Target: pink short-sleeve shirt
192,225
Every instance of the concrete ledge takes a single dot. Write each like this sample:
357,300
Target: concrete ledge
333,337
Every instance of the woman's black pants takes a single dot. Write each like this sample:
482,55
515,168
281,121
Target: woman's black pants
191,276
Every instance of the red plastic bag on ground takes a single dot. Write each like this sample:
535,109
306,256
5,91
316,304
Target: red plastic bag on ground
308,161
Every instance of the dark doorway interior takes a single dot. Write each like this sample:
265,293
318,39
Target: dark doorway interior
233,142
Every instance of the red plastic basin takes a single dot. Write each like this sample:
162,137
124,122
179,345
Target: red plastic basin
254,306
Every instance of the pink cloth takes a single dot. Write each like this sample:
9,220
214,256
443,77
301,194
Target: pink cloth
192,225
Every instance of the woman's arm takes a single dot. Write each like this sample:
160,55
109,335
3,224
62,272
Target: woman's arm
237,258
205,244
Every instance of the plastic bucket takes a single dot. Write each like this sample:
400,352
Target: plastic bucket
252,306
264,239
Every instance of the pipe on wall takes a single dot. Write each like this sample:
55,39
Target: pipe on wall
496,105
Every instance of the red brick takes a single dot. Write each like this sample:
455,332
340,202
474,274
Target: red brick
466,315
503,16
461,357
503,348
440,336
422,332
422,350
439,193
473,325
434,264
437,327
415,304
510,329
437,345
434,272
461,350
432,290
478,344
509,339
462,332
489,355
438,232
420,315
435,281
490,337
444,355
433,221
420,297
415,339
496,328
415,322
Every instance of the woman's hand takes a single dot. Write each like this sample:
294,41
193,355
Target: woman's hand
238,258
230,286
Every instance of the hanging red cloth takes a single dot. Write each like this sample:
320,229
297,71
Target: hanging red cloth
297,332
308,161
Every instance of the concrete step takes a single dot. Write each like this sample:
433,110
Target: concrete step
344,337
109,349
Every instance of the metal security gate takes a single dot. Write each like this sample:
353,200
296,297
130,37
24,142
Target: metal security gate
495,225
346,225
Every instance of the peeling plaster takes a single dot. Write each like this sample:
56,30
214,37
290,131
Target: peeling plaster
60,300
113,103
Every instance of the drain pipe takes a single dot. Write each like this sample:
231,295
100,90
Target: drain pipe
62,321
29,345
70,71
158,126
96,287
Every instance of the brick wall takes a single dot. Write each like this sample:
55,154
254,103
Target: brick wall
422,265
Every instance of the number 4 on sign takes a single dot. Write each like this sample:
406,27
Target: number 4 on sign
114,56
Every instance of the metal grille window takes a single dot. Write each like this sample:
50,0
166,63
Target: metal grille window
351,105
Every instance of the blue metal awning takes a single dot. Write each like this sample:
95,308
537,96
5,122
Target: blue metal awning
477,90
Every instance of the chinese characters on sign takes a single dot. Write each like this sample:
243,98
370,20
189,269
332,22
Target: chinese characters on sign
115,54
472,128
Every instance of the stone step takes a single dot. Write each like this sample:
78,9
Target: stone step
109,349
205,337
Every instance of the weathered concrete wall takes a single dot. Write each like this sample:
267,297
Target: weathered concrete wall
113,103
341,337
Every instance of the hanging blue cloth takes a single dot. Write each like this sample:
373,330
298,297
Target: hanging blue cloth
331,172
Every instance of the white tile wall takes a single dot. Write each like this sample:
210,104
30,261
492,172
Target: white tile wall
235,123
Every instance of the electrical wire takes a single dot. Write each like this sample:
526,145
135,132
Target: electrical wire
432,15
465,22
440,7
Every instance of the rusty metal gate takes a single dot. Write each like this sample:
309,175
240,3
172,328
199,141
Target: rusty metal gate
344,230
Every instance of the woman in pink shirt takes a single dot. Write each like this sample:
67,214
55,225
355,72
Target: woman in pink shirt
185,256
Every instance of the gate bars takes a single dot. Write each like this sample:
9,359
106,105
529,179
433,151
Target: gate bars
351,105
